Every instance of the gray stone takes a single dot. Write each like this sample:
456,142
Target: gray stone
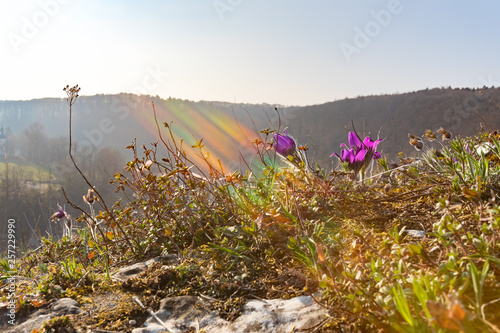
127,272
415,233
61,307
277,316
178,314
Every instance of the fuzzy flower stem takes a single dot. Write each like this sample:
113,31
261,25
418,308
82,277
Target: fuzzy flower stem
72,97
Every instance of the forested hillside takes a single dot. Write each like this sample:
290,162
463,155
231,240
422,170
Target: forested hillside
392,117
35,136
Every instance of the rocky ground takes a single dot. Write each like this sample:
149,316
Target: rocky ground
169,293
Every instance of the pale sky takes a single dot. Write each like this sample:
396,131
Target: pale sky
286,52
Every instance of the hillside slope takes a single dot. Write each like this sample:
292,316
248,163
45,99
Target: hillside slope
392,117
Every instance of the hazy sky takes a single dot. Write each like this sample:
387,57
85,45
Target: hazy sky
280,52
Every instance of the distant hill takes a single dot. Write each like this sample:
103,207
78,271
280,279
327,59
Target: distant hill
461,111
116,120
228,128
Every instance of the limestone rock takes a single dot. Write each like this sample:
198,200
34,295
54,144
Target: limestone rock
278,316
61,307
125,273
179,314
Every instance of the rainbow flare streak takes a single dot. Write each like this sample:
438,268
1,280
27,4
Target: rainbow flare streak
223,138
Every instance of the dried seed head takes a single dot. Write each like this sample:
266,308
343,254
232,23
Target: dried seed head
429,135
417,143
446,134
90,198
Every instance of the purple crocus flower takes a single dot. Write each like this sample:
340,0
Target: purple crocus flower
68,223
372,146
285,145
360,153
355,159
59,214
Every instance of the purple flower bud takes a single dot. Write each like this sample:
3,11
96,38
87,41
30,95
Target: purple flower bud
285,145
59,214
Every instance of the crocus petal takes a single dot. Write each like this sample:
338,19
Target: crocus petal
336,155
370,144
375,144
354,140
347,155
360,155
61,214
376,156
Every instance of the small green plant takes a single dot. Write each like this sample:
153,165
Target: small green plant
7,268
58,324
72,270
